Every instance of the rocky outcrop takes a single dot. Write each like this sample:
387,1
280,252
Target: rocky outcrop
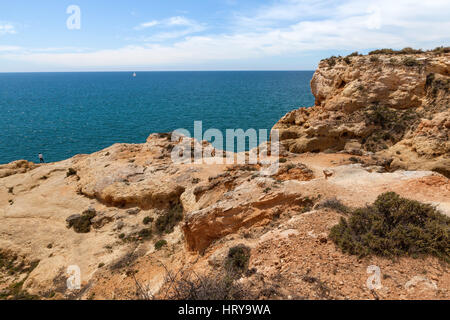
395,105
128,213
249,204
20,166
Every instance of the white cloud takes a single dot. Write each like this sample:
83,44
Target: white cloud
146,25
7,28
9,48
180,21
287,28
179,27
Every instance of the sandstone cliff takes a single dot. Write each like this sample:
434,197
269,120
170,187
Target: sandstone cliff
396,105
127,215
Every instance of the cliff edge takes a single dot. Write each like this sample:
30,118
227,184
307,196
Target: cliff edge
394,104
127,222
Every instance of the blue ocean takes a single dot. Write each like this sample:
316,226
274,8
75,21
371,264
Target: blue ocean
64,114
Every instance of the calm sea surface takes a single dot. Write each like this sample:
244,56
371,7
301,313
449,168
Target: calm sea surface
63,114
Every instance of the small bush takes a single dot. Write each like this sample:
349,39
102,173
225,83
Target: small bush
382,51
355,160
381,116
160,243
442,49
391,51
237,260
167,222
409,50
334,204
331,61
147,220
248,168
394,226
283,160
191,286
290,166
82,223
410,62
16,292
354,54
71,172
145,233
374,59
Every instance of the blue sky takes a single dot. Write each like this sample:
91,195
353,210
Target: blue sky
210,34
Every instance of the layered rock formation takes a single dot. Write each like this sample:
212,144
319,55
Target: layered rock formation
128,214
396,105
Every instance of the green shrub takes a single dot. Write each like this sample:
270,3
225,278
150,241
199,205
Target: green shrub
409,50
355,160
380,116
191,286
391,51
394,226
334,204
354,54
290,166
71,172
237,260
331,61
147,220
382,51
167,222
374,59
442,49
145,233
82,223
410,62
16,292
159,244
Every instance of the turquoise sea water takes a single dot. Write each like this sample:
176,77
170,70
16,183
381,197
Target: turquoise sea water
63,114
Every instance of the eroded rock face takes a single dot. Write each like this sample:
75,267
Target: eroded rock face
252,202
19,166
131,175
127,188
394,104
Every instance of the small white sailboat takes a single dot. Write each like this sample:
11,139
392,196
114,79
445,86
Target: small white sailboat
134,74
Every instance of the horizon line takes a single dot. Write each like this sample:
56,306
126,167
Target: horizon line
131,71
